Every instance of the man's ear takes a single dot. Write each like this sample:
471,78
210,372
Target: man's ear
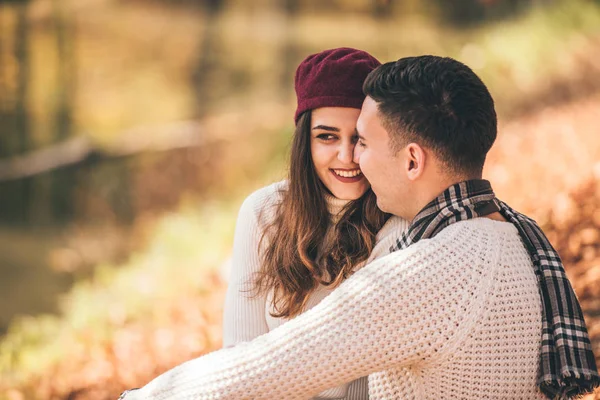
415,161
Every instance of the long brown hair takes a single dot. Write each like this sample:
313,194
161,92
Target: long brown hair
291,265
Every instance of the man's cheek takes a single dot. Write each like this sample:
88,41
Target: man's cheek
362,164
365,167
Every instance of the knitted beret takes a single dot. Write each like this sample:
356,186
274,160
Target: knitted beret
332,78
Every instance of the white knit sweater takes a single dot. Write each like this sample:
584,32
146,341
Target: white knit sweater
457,316
246,318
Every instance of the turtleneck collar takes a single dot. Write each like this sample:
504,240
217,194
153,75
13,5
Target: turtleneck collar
334,206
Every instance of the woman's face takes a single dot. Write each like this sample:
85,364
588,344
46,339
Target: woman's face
332,140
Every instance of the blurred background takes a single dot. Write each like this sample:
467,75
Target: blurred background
131,131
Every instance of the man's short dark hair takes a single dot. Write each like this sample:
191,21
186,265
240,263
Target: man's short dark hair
438,103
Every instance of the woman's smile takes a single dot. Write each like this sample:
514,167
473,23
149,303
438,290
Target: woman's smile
347,175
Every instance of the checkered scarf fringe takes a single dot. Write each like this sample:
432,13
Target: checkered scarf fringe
567,365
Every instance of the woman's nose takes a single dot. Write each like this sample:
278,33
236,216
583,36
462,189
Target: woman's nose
346,153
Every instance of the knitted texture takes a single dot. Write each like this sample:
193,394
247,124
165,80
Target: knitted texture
332,78
457,316
567,363
247,317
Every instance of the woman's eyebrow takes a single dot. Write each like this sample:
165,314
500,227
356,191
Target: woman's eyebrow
326,128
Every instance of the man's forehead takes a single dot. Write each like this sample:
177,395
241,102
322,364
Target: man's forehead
368,115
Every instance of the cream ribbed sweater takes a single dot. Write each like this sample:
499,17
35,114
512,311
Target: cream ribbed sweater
457,316
246,318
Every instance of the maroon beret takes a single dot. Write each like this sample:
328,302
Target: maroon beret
332,78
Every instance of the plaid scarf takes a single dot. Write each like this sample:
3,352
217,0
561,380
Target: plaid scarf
567,364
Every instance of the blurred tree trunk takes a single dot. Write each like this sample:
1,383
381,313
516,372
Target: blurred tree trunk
494,10
15,138
207,56
19,193
328,5
7,119
470,12
63,181
381,9
290,47
5,109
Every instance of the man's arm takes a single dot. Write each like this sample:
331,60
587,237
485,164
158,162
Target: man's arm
399,310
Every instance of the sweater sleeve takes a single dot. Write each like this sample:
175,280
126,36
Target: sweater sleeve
244,313
400,310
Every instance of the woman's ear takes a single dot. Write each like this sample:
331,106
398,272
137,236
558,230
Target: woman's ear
415,161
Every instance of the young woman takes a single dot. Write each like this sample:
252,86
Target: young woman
298,239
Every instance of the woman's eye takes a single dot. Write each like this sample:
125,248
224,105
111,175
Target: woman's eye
361,143
326,136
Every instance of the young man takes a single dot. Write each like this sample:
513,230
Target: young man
471,303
